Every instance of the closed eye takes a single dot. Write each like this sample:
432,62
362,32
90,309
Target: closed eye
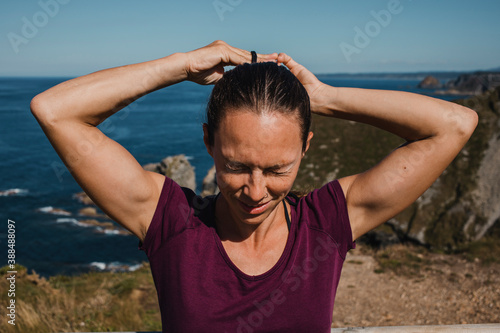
236,169
278,173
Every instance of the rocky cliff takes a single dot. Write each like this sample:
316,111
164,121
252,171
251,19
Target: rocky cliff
430,82
177,168
461,206
473,83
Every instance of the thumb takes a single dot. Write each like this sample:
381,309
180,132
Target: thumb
292,65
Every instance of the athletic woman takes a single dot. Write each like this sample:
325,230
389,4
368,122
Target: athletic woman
253,258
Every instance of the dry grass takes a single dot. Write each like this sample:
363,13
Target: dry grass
102,302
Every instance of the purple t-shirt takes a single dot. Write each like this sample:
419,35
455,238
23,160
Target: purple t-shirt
201,290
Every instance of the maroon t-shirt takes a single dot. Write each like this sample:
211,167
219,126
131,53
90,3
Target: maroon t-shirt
201,290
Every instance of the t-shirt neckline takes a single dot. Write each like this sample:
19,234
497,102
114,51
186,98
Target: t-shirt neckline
284,255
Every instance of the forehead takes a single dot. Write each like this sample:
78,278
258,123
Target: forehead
272,138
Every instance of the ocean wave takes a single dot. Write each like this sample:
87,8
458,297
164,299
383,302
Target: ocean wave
112,231
73,221
106,228
114,266
55,211
17,192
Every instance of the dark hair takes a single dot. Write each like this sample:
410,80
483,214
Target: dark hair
260,88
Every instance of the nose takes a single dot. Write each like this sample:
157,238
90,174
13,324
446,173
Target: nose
256,189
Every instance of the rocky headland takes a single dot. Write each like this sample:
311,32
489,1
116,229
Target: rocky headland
462,206
472,84
430,82
176,168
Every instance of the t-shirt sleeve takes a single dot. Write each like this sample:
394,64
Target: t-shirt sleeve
327,210
171,216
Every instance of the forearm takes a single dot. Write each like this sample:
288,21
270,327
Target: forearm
92,98
410,116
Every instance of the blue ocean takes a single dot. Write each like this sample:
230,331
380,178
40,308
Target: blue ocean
37,192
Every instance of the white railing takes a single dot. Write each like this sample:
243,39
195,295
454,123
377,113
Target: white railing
476,328
479,328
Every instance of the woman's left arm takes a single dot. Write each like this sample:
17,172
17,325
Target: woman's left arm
435,131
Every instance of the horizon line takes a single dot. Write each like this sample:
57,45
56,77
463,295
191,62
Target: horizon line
420,72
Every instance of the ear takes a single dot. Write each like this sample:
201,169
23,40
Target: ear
308,142
205,139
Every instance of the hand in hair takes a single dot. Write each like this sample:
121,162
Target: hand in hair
313,86
206,65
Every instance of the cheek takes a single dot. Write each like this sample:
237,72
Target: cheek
280,185
229,182
283,184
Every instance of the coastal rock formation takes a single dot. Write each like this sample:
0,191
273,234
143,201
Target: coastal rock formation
464,203
52,210
177,168
462,206
473,84
430,82
83,198
105,227
92,212
210,183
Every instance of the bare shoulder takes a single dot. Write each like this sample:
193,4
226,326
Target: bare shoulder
350,186
345,184
158,179
156,182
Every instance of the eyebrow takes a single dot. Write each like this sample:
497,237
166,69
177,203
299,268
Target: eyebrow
273,167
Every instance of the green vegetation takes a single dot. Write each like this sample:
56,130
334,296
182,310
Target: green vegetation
486,250
93,302
340,148
403,260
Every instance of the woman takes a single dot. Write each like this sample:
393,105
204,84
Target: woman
253,258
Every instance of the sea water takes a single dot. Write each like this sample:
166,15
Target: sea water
37,192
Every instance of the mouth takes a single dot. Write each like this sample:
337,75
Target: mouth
254,209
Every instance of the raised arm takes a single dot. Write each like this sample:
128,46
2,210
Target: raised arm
435,131
69,113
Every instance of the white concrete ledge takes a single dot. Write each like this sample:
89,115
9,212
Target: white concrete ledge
479,328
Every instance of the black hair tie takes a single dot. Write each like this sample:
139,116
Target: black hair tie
254,57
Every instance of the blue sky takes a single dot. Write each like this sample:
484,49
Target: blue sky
77,37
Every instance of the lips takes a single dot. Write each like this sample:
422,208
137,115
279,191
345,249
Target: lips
254,209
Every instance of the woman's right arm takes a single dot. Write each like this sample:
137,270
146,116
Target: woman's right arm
70,112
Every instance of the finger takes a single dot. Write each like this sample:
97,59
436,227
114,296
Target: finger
286,60
267,57
239,56
261,57
291,64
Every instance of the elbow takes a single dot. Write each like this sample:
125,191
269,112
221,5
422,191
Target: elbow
42,110
36,106
463,121
470,122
